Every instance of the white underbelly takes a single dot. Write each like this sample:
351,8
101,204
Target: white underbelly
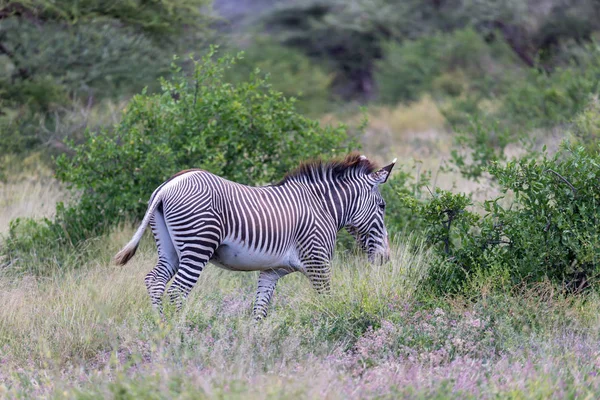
235,256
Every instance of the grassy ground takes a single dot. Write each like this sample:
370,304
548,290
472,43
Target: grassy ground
87,330
90,333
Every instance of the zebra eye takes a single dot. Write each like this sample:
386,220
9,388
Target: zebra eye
382,206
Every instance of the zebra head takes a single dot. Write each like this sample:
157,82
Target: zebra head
367,225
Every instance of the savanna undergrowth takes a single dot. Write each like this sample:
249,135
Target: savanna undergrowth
246,132
91,332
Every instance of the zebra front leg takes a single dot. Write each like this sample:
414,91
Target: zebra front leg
320,277
266,285
316,261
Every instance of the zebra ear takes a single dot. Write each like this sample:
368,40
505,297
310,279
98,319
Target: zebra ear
382,175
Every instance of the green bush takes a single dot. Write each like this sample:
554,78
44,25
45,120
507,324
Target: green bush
290,72
63,54
548,231
544,99
248,133
411,68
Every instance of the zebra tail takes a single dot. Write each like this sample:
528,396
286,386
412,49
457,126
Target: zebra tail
130,248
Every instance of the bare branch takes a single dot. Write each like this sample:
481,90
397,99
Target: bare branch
564,180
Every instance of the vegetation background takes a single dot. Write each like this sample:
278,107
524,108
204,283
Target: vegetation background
491,107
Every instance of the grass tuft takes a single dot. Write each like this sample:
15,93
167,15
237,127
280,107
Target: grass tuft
90,332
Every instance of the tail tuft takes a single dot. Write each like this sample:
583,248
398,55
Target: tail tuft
129,250
125,254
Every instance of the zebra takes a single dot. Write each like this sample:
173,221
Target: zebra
291,226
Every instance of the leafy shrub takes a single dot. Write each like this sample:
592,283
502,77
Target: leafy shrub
544,99
549,231
248,133
411,68
586,126
290,72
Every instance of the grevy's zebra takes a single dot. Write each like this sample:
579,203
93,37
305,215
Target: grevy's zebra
198,217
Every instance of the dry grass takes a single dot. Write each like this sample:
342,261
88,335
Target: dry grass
417,134
417,130
414,130
92,333
28,191
82,319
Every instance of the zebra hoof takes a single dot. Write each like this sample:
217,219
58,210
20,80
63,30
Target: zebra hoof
259,317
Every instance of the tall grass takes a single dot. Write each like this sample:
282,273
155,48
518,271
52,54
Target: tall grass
82,317
91,333
27,190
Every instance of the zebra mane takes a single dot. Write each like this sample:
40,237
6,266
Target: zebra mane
319,170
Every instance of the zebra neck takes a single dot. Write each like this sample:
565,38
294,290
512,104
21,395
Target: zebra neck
336,198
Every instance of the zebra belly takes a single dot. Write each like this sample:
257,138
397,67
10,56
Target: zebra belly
236,257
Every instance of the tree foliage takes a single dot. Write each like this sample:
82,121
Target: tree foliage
158,17
290,72
351,35
246,132
55,55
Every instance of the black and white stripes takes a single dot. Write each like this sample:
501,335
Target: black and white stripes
197,217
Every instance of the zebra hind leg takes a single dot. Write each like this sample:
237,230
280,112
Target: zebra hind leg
156,281
168,262
192,262
266,286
